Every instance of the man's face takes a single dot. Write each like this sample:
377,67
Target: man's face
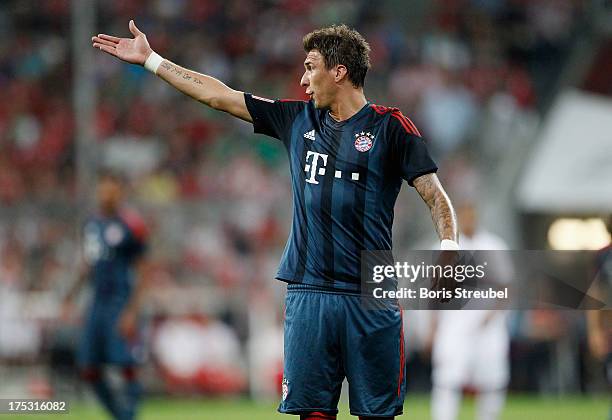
318,81
109,194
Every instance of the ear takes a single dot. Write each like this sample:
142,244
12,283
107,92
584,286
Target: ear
340,73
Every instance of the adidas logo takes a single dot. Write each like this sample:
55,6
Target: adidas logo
310,135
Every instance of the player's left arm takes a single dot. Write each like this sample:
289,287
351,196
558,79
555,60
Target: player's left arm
129,317
442,212
139,234
416,166
445,222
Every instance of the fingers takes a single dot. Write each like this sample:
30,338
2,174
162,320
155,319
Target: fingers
107,49
109,38
133,29
97,40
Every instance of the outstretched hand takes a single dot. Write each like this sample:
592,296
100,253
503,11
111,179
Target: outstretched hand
132,50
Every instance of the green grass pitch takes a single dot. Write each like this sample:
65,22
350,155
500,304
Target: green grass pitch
415,408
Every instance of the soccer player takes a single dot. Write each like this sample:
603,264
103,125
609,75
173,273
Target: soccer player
347,159
471,347
114,242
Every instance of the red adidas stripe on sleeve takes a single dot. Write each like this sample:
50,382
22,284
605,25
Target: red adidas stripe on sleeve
136,224
406,123
409,123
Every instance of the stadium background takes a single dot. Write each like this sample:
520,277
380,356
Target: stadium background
490,83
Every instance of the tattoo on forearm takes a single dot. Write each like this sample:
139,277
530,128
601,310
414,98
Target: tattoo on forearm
439,204
178,71
171,68
444,218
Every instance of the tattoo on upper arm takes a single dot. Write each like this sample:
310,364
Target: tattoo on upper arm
425,186
442,213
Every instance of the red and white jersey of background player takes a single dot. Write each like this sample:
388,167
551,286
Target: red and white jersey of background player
464,351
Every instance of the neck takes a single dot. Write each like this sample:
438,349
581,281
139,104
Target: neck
109,211
347,105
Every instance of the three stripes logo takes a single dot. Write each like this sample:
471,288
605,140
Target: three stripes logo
310,135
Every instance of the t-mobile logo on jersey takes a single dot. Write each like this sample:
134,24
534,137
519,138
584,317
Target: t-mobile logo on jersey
313,169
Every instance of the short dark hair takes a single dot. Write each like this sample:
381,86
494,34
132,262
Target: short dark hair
339,44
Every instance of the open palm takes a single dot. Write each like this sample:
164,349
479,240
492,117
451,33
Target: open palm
133,50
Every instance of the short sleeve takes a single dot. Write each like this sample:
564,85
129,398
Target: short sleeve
409,149
273,117
139,233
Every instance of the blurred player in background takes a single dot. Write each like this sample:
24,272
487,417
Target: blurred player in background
348,159
114,242
470,347
600,322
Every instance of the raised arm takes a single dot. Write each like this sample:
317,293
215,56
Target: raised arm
442,212
203,88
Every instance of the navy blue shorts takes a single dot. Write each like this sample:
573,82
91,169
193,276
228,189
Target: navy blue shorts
102,343
330,336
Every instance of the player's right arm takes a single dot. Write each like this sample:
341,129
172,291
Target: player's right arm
203,88
68,301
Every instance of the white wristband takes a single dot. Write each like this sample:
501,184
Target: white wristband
153,62
449,245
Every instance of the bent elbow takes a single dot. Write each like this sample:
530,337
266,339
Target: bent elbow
215,103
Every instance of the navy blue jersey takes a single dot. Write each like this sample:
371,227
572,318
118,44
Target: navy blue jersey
112,245
345,177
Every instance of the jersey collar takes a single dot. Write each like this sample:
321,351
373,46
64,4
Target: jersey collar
339,124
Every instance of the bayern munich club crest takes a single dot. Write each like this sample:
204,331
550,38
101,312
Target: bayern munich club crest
364,141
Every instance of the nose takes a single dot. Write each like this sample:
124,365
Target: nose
304,81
